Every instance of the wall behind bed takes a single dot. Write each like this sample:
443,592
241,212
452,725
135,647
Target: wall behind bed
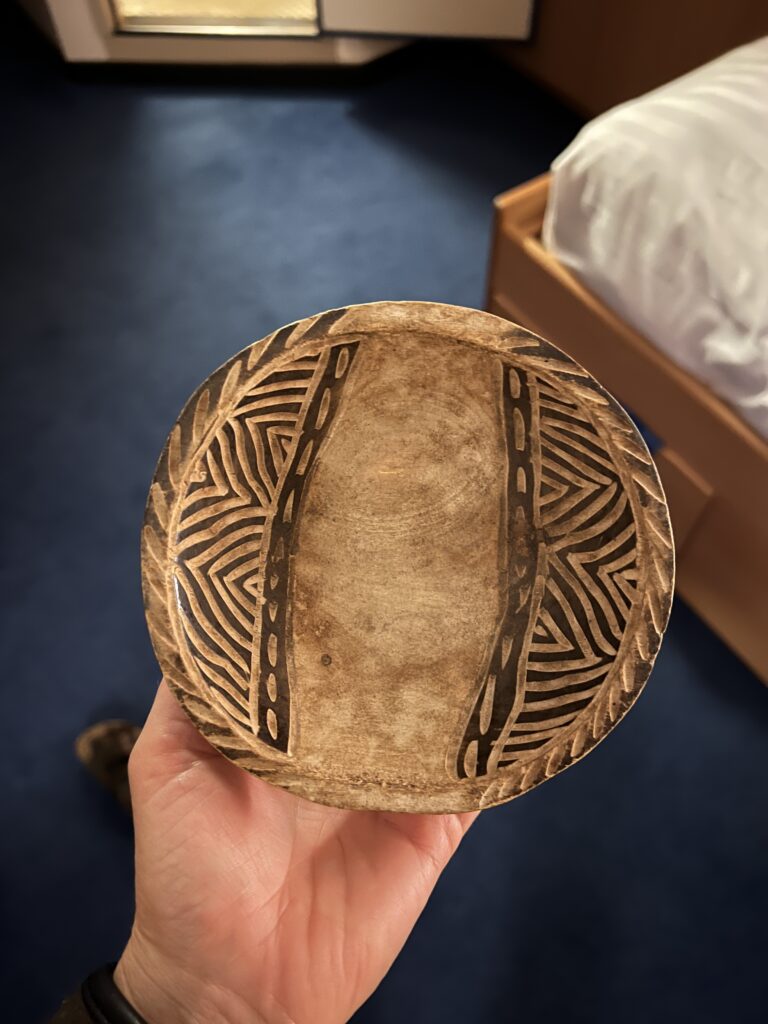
597,53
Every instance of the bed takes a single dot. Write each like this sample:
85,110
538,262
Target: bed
644,255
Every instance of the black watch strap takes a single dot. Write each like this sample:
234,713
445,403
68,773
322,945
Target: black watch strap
104,1001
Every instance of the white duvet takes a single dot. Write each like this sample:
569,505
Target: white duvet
660,207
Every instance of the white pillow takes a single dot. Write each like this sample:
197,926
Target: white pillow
660,206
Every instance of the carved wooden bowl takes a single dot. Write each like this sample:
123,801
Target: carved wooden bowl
405,556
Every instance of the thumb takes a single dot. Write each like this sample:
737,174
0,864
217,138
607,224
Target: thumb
169,743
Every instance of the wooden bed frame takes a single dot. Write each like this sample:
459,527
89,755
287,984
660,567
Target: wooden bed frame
714,467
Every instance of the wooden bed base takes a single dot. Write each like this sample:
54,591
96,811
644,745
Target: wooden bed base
714,467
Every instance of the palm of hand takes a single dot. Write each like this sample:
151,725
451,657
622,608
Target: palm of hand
255,904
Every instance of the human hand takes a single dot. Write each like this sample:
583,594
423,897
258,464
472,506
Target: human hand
255,905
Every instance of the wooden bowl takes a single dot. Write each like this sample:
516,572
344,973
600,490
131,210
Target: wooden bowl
405,556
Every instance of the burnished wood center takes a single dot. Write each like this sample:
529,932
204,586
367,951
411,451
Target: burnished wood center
405,556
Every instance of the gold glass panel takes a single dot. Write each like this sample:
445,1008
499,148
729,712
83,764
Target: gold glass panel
218,17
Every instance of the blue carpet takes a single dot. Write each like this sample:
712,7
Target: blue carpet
150,228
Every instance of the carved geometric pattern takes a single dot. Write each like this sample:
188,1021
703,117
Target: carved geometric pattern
233,538
586,562
571,579
497,699
272,692
591,569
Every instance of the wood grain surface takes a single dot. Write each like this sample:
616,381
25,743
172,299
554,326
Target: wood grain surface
405,556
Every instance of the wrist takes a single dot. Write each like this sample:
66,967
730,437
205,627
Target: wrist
162,992
165,993
150,987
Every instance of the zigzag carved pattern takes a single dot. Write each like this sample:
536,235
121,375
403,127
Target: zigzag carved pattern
572,576
227,516
571,739
591,578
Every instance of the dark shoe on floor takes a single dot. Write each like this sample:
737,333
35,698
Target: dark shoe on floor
104,749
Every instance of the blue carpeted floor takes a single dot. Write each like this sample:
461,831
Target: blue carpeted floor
150,228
